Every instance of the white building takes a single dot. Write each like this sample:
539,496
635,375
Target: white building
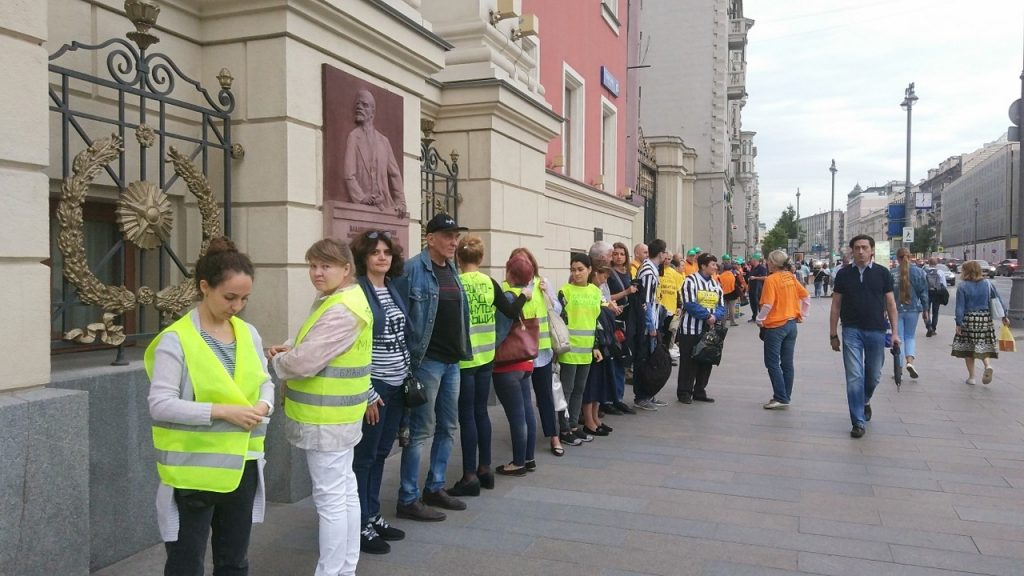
694,90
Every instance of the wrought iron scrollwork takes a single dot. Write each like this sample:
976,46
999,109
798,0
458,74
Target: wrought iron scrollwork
439,179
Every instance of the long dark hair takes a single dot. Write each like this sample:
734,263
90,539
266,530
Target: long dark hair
903,257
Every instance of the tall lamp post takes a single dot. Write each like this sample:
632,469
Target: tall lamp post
909,98
1016,311
975,228
832,214
798,242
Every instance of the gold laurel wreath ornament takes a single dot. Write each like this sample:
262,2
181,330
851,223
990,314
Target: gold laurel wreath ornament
144,214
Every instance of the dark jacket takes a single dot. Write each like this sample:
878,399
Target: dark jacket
378,310
419,289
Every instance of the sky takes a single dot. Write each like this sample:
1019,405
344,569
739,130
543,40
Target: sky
825,80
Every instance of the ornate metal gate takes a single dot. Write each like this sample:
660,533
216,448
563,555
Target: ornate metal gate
439,180
647,187
110,271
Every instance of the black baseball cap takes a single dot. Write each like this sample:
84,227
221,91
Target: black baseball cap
443,223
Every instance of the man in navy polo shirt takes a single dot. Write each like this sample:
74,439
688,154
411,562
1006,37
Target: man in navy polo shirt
861,297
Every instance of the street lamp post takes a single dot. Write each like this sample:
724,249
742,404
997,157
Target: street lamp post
832,213
798,242
1016,311
909,98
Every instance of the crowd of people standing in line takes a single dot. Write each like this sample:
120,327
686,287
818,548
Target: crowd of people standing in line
381,327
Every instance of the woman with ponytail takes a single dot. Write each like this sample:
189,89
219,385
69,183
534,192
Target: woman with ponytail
911,291
209,398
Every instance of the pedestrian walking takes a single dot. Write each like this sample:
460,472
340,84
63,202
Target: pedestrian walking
703,308
820,281
938,294
209,397
978,305
862,298
327,393
910,289
378,261
756,278
784,304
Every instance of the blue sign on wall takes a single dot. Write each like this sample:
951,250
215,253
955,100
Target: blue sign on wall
897,215
610,82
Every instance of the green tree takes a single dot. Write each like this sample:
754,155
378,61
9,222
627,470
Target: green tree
784,229
924,240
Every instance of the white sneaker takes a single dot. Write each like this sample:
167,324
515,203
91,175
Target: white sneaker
969,382
645,405
774,404
986,376
658,403
912,371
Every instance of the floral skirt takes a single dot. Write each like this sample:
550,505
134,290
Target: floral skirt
977,338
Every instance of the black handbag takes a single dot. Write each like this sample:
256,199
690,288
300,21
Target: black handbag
709,348
414,394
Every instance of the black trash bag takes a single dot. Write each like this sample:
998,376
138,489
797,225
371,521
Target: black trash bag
709,348
653,372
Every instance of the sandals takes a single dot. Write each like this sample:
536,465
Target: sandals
558,451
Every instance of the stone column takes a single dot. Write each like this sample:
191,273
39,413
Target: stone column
44,478
675,190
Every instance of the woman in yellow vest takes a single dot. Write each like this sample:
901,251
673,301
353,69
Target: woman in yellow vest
209,398
542,376
327,393
581,305
485,298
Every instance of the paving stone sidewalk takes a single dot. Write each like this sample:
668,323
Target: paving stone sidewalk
936,487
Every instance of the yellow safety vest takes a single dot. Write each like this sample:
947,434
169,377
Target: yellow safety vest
582,307
535,307
480,295
338,393
210,457
668,289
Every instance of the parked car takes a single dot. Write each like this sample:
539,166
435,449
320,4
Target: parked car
950,275
986,268
1007,267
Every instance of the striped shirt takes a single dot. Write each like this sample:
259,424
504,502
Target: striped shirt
390,353
648,278
224,352
704,291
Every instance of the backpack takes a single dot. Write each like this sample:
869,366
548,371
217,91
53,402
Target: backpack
934,282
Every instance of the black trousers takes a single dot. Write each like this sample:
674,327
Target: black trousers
693,376
230,516
933,322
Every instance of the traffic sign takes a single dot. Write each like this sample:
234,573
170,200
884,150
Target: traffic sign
908,234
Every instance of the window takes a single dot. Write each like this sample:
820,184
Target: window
572,127
610,13
609,149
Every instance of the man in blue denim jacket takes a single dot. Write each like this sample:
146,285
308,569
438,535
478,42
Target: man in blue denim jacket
439,339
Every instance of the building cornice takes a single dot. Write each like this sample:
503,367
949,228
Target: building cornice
588,196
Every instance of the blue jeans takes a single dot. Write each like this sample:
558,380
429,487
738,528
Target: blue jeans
908,340
779,345
863,355
438,418
374,448
817,289
474,424
513,391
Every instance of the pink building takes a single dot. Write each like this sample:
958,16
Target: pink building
582,53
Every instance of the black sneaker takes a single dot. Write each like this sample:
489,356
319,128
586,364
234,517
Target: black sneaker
569,439
611,409
579,433
857,432
371,543
624,408
463,488
386,531
867,412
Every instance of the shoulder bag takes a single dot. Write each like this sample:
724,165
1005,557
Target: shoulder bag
414,394
559,331
521,343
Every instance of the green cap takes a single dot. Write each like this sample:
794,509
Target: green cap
692,252
756,256
726,257
739,260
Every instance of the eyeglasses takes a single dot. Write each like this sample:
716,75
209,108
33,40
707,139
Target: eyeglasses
375,234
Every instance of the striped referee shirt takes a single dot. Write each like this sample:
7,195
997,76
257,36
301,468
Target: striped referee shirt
649,279
706,293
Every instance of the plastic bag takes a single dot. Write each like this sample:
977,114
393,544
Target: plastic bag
556,392
1006,341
